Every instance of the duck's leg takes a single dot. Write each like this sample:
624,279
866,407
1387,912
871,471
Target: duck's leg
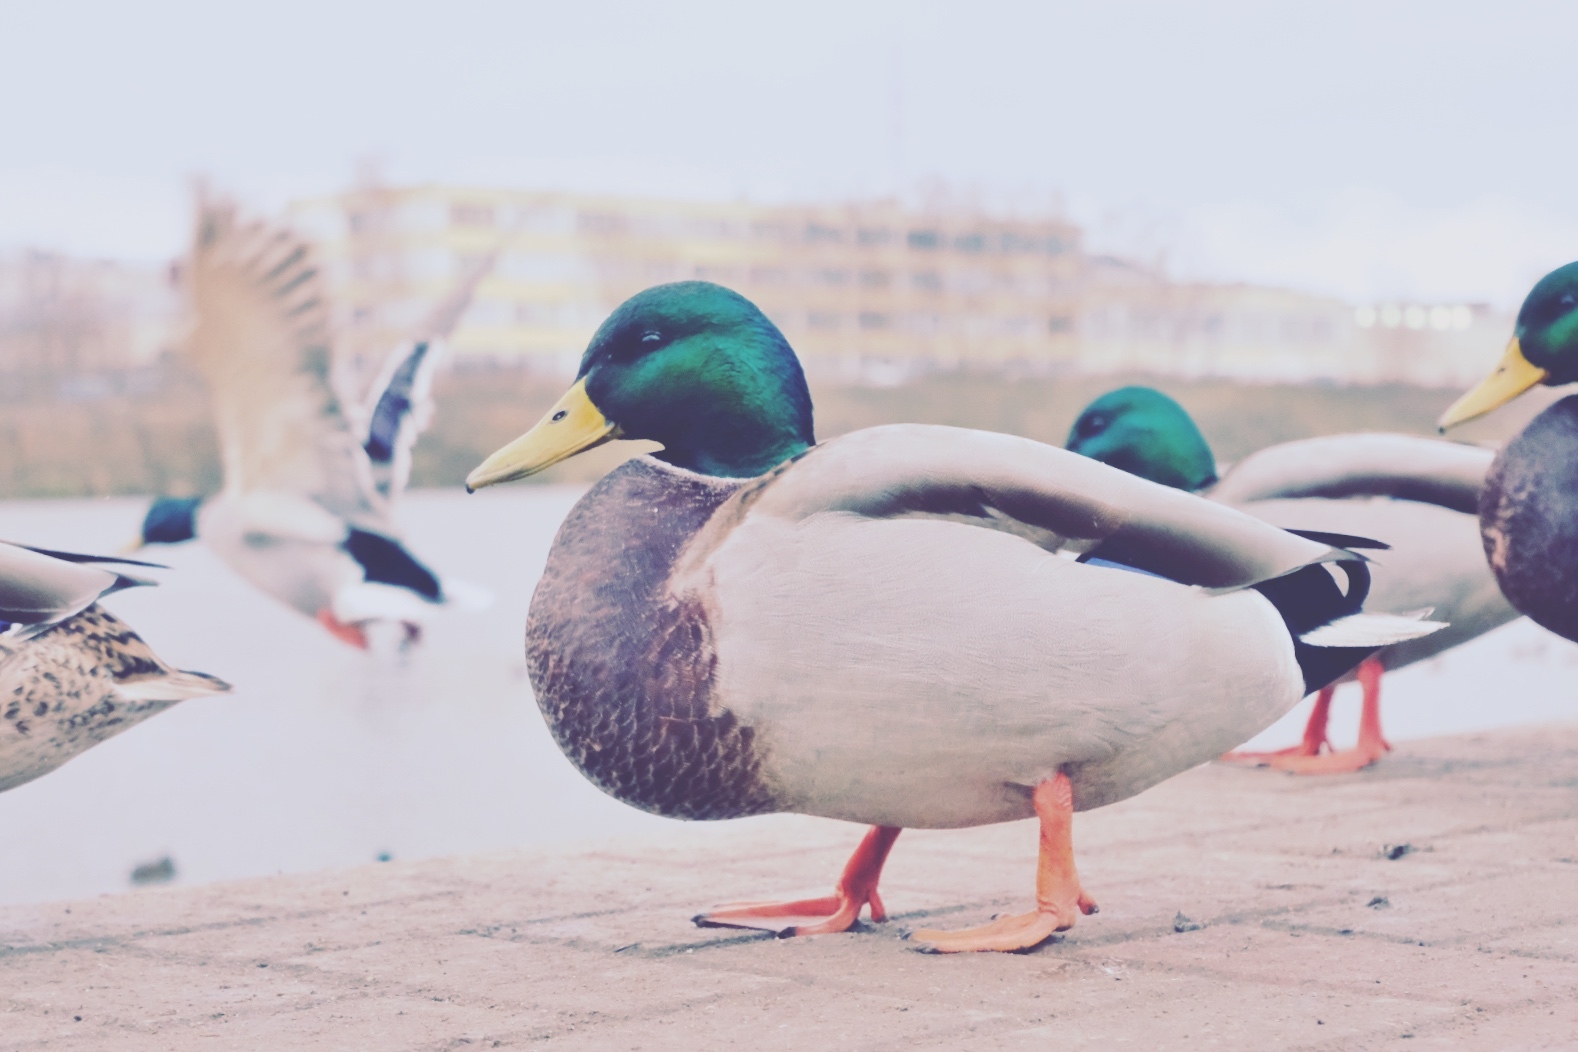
345,632
1310,745
1371,746
1059,898
857,887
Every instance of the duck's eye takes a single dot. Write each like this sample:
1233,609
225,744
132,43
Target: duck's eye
650,339
1568,301
1094,425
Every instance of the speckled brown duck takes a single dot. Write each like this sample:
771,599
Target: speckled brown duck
903,626
1528,513
71,673
1419,495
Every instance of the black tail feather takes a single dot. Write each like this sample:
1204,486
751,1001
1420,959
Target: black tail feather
385,561
1309,598
1342,540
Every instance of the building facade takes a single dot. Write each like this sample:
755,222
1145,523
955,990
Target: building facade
867,292
862,291
63,319
1134,320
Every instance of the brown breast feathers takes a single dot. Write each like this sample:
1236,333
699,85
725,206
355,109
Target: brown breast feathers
622,670
1528,519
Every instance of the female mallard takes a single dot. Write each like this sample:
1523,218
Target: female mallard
71,674
1528,513
306,513
1416,494
892,627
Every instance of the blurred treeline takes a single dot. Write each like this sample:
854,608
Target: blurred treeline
163,441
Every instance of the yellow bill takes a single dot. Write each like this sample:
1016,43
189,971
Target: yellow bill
1514,375
572,426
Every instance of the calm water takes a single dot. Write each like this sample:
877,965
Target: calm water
325,756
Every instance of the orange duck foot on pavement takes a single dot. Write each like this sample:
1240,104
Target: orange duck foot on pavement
1059,898
1340,761
837,912
1314,754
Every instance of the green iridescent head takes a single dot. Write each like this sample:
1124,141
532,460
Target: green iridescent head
1543,348
692,365
1145,433
1547,329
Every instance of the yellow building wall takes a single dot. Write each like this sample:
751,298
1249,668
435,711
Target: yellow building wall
857,289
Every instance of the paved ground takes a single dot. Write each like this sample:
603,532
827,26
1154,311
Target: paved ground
1431,902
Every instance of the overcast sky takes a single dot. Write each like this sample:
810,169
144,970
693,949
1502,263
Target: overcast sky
1420,149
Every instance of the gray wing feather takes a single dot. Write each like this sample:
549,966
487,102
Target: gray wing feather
39,589
1059,500
1408,467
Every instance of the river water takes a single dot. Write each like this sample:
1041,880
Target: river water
326,756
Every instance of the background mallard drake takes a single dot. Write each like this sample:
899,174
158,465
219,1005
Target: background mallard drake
1418,495
1528,514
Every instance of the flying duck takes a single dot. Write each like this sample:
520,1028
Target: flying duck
311,478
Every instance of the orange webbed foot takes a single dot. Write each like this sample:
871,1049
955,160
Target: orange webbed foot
1272,758
1341,761
1059,897
1311,744
1011,933
823,916
857,888
345,632
1307,757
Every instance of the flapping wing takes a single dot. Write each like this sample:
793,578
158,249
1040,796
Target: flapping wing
403,410
1058,500
262,339
402,404
41,588
1432,471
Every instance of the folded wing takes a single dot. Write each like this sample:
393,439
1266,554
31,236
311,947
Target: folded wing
1432,471
40,588
1056,499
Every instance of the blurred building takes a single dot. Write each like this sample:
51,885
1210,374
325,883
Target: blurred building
863,291
80,328
870,291
1136,320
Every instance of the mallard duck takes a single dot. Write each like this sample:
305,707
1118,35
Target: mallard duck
71,673
1416,494
893,627
306,512
1528,514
